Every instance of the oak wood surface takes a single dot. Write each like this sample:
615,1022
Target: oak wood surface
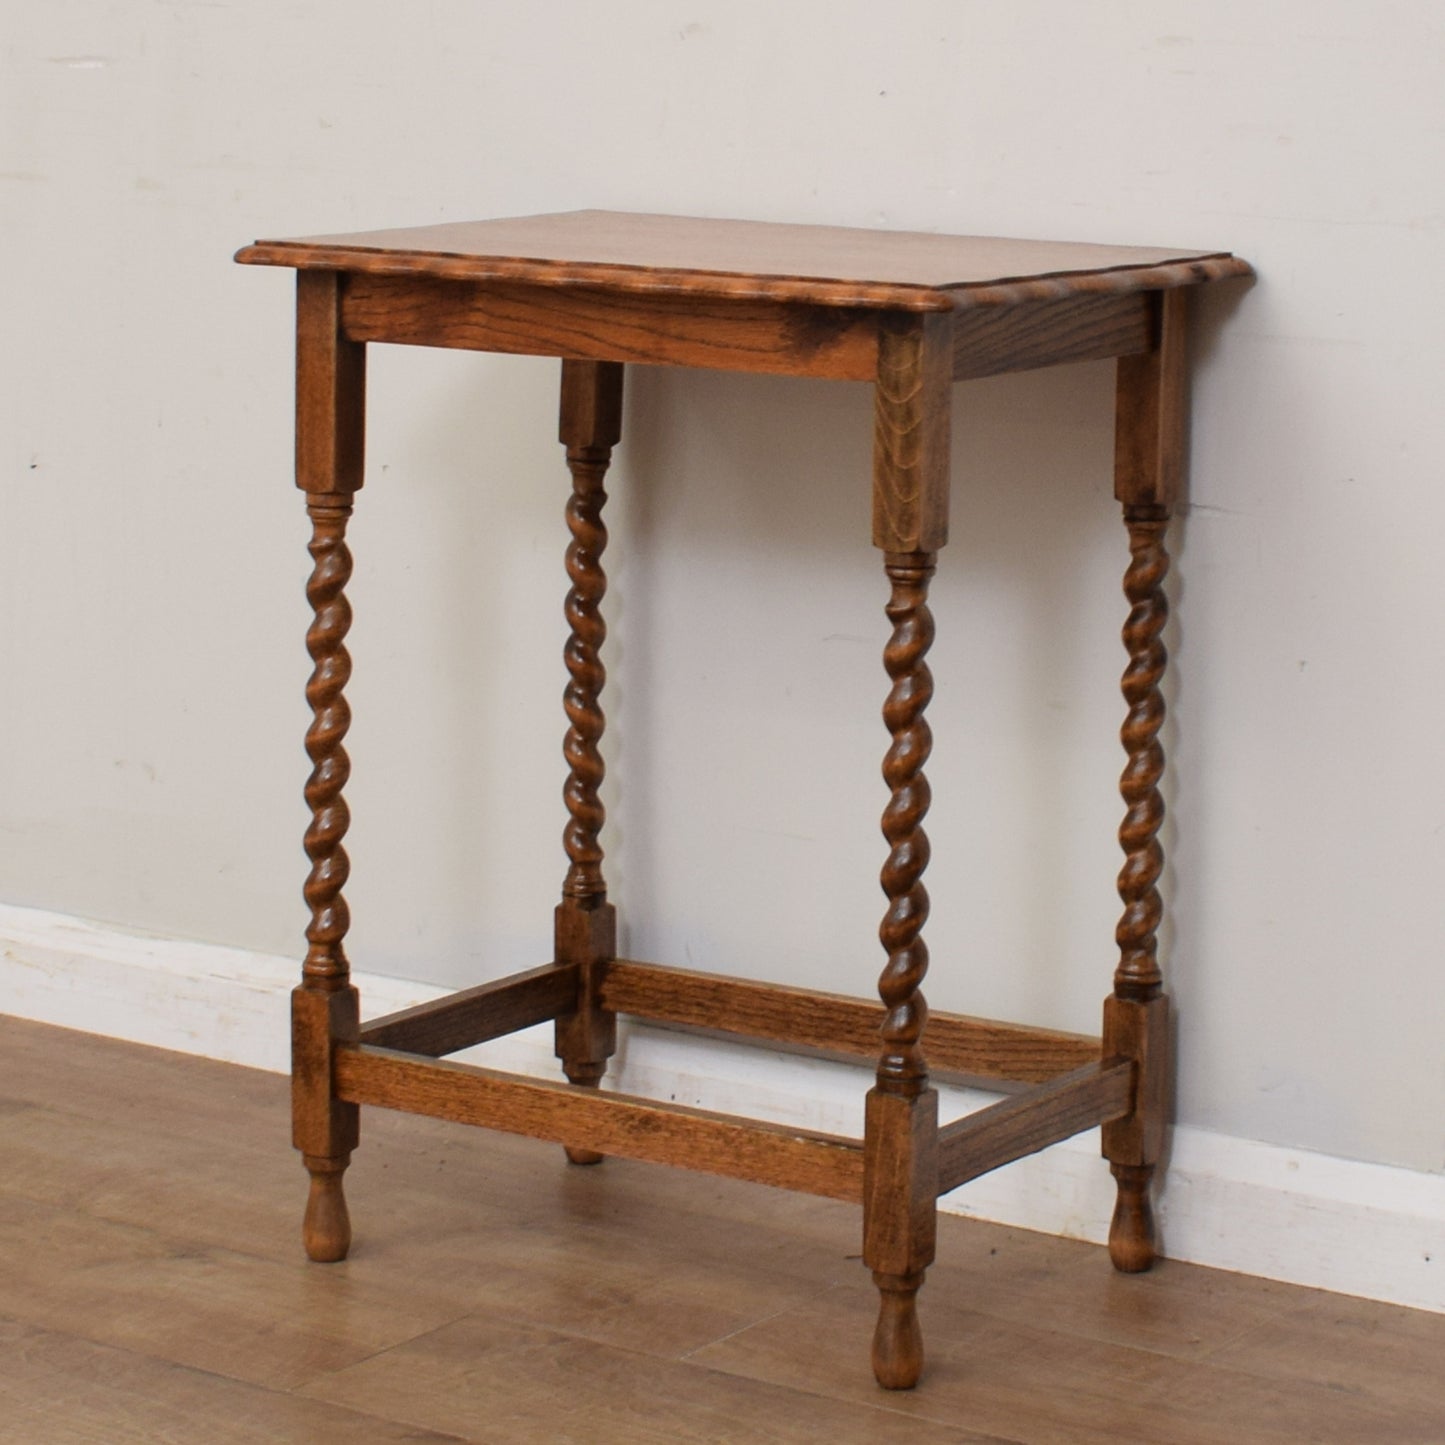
586,1031
1009,1130
900,1222
828,265
976,1049
598,324
911,422
990,340
330,390
608,1123
754,336
1150,410
1139,1031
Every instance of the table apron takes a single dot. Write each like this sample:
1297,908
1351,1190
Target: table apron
585,324
751,335
988,340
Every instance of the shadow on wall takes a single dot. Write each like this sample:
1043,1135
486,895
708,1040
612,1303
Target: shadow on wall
1187,817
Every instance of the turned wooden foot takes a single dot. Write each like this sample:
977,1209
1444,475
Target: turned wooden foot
897,1340
584,1077
1131,1231
326,1230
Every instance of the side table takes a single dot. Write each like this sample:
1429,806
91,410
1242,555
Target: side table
913,313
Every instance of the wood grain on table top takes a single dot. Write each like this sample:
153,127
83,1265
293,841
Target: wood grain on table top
825,265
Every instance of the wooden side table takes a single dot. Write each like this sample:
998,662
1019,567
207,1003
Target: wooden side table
912,313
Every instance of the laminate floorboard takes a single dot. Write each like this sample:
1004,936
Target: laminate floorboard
152,1288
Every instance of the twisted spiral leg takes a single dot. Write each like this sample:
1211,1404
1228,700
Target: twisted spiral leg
900,1160
586,674
324,1007
1138,975
586,923
901,1068
1135,1020
326,965
584,886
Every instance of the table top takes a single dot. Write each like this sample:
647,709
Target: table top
822,265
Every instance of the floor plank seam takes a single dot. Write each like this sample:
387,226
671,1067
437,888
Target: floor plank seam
195,1371
815,1295
301,1386
800,1392
1258,1327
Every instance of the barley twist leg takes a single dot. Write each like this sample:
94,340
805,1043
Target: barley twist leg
325,1006
326,965
901,1069
586,927
1138,975
902,1124
1137,1009
586,675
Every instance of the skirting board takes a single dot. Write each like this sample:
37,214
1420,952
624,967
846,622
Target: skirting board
1235,1204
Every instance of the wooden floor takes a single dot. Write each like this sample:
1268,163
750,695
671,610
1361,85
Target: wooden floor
152,1289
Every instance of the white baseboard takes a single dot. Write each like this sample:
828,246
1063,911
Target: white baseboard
1236,1204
